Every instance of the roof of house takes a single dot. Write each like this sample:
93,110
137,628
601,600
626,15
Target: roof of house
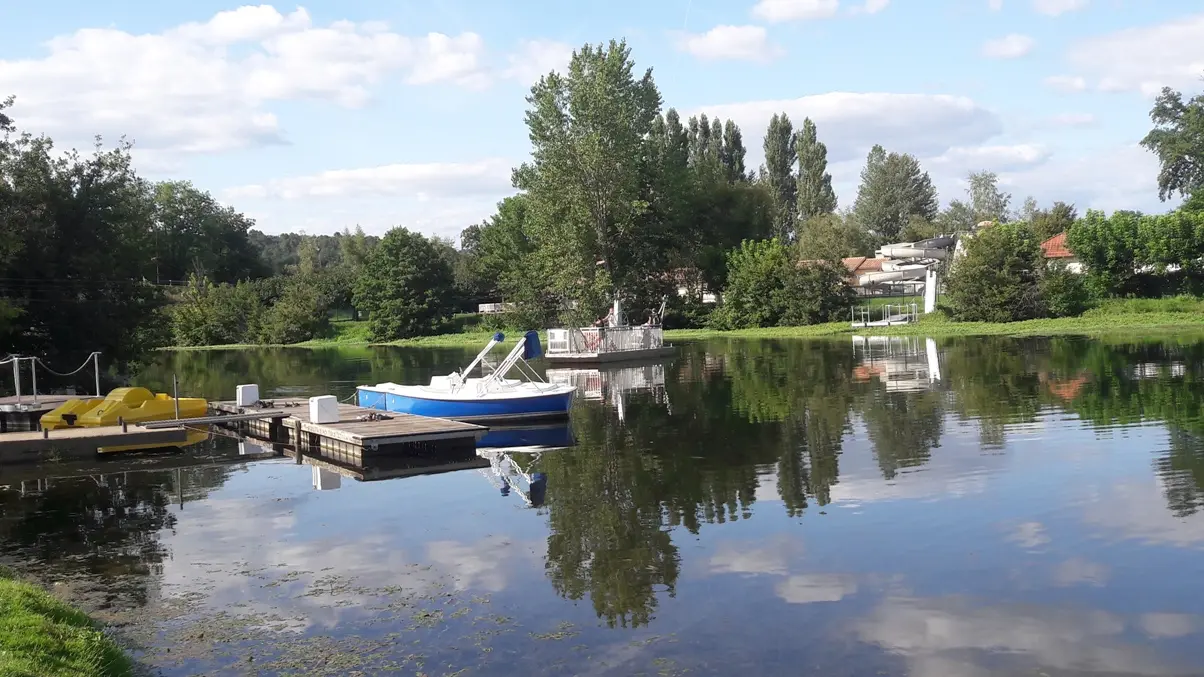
862,264
1055,247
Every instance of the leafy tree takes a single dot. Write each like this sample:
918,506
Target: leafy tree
958,217
767,287
300,314
815,194
406,286
1178,141
1108,246
781,156
210,314
195,234
893,189
996,278
76,248
733,153
1049,222
832,237
986,200
585,182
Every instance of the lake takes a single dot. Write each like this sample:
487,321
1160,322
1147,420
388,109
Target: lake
975,507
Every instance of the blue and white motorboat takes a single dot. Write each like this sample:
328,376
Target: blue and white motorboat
492,397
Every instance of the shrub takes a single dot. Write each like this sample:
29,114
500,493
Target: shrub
767,287
1063,293
406,286
995,280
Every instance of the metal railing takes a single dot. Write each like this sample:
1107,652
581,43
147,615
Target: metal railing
590,340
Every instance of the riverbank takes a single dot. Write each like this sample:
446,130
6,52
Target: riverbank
1115,316
41,636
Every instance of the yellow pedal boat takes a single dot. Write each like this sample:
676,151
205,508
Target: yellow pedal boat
131,405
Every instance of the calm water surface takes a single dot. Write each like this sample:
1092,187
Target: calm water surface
965,508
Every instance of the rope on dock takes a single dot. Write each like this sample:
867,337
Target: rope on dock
83,366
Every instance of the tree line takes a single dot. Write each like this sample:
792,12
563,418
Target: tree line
621,196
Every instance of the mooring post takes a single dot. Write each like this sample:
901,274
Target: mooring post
121,422
17,376
297,432
96,369
175,393
33,371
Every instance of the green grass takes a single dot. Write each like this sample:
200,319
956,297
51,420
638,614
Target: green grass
1113,316
41,636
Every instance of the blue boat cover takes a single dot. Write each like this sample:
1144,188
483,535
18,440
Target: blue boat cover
532,349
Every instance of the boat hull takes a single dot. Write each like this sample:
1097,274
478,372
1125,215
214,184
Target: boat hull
527,407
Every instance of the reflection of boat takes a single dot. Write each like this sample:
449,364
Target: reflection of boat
491,397
507,475
129,405
192,437
546,436
613,384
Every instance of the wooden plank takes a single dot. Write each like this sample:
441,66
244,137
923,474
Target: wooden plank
80,442
44,401
205,420
398,429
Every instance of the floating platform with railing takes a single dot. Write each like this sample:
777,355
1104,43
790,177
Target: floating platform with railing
886,316
596,345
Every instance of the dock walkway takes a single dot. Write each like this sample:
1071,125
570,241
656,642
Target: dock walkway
75,443
359,432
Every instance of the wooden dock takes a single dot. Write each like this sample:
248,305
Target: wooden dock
76,443
25,414
357,436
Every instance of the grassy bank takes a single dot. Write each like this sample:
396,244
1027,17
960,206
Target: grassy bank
41,636
1115,316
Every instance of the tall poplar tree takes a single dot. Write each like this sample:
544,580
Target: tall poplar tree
779,175
815,194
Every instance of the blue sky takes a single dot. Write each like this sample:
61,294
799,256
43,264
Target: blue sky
327,115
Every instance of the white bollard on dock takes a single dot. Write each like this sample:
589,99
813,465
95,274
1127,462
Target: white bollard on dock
247,395
324,409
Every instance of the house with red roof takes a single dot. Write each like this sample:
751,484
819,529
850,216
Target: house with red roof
1055,249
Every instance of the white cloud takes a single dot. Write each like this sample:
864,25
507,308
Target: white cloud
850,123
795,10
1011,46
735,557
871,7
203,87
1058,7
960,160
1066,83
995,5
811,588
536,58
1073,120
737,43
1078,571
1120,177
947,636
1144,59
423,181
1167,625
1029,535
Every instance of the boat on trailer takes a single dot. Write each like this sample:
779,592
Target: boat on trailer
492,397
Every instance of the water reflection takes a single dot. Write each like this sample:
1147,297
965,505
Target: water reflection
902,506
